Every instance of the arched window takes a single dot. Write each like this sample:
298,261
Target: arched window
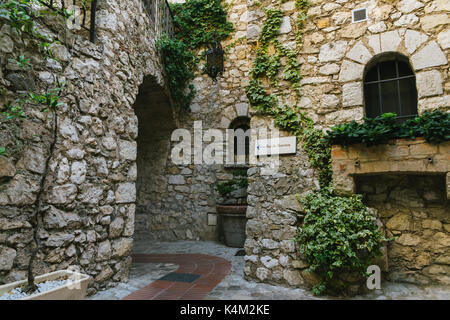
390,86
241,127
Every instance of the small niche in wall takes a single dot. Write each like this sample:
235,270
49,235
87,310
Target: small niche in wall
403,190
360,15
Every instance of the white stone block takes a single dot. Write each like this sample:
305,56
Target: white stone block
345,115
329,69
430,56
429,83
242,109
414,39
430,104
444,39
374,42
359,53
407,20
351,71
407,6
390,41
285,26
333,51
352,94
378,27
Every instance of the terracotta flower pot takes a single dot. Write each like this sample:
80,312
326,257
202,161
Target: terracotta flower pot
233,219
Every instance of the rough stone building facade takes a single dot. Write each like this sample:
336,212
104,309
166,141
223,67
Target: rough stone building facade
112,181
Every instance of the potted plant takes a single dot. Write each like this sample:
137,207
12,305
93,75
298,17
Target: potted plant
232,208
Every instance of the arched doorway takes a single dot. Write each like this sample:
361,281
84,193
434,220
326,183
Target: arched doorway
156,123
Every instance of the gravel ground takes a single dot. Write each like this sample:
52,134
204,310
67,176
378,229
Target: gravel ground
17,293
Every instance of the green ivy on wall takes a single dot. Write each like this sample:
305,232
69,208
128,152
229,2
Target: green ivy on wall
338,233
197,24
266,66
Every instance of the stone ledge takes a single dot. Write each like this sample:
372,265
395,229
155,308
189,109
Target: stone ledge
398,156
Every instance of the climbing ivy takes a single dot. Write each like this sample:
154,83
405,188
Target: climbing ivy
338,233
302,9
197,24
286,117
271,26
180,64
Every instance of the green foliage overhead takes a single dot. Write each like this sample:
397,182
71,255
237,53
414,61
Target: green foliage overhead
338,235
197,23
433,126
19,15
180,64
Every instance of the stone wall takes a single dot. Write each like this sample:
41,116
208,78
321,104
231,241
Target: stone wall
273,216
89,198
333,57
413,208
179,205
407,182
400,155
103,171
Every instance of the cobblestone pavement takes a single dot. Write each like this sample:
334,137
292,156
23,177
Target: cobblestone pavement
234,287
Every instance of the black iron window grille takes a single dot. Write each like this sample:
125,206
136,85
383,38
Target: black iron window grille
86,17
160,16
390,86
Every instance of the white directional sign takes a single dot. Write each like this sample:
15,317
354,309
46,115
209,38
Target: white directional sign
285,145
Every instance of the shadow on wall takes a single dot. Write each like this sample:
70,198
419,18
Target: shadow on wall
154,199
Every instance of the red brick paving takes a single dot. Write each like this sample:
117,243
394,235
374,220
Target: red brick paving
211,269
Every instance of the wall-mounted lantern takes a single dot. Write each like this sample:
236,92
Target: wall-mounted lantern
214,59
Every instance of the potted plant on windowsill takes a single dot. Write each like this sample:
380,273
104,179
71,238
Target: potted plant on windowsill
385,145
232,208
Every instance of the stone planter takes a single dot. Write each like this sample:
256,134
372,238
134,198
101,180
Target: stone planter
398,156
75,290
233,218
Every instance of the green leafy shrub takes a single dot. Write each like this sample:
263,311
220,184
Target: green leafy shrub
240,180
433,126
227,187
338,235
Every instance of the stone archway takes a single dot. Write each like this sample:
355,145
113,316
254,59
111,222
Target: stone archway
155,125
